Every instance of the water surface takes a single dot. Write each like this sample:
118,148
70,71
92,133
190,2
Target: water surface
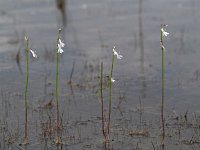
92,28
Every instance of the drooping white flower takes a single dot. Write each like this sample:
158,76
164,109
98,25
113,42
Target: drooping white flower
33,53
61,43
164,33
60,46
112,79
115,53
60,50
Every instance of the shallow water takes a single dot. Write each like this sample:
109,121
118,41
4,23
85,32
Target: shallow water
92,28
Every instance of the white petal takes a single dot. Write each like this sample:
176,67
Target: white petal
164,32
112,80
115,53
119,56
60,50
61,43
33,53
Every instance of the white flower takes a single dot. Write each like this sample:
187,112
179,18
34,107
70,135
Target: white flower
61,43
33,53
60,46
115,53
112,80
60,50
164,33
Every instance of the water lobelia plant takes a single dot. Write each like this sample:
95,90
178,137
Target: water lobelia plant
25,140
162,34
112,80
106,128
59,50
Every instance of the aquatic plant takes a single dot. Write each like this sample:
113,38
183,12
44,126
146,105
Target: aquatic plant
59,49
162,34
111,80
106,129
25,140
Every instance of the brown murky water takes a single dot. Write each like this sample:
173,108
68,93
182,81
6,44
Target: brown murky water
90,30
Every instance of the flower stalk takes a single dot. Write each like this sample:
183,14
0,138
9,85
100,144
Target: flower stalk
110,90
59,49
25,141
25,94
162,34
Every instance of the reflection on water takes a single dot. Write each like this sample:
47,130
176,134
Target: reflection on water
91,28
141,40
62,6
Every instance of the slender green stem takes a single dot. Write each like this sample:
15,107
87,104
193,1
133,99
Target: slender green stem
110,94
26,89
163,87
57,92
57,61
102,103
